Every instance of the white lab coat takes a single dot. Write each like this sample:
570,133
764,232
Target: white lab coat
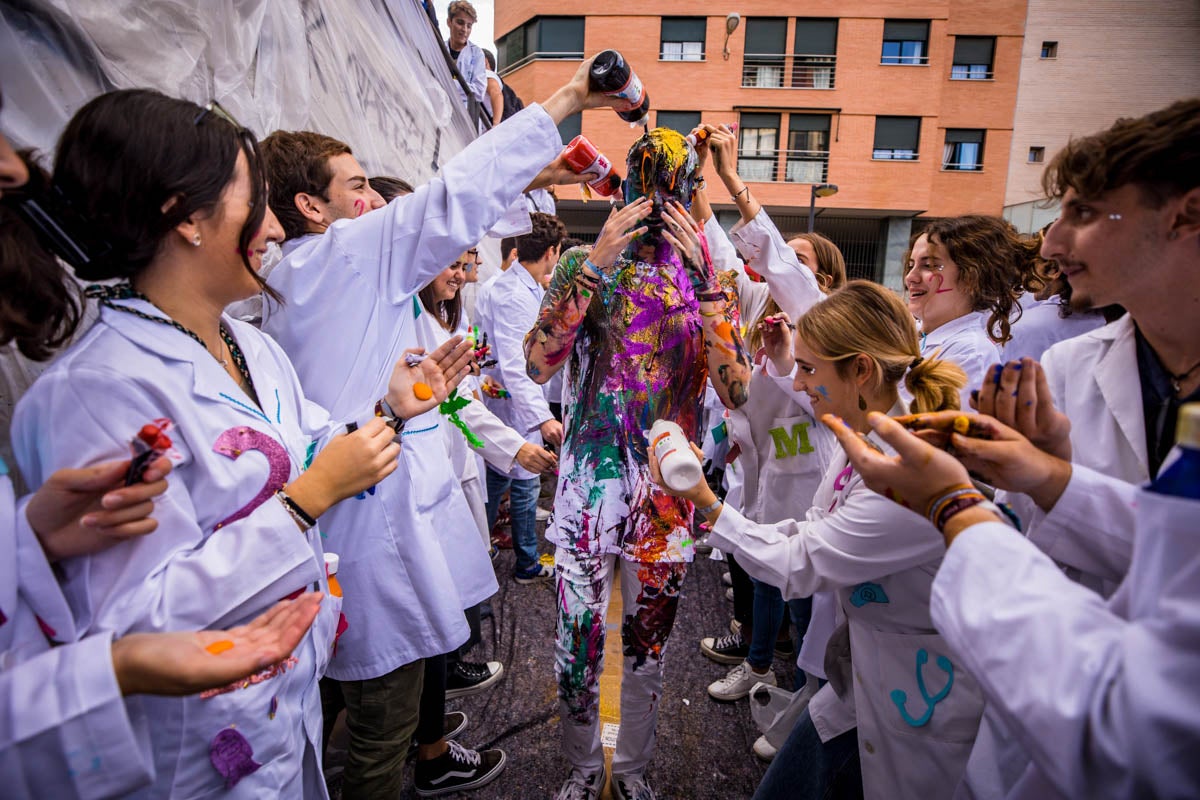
500,442
1101,695
509,312
472,65
962,341
1093,379
124,373
1041,325
348,318
880,559
65,732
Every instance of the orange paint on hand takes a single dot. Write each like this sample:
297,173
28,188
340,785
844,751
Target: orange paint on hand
422,391
962,425
216,648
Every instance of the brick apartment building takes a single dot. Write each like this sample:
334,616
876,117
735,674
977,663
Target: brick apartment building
907,107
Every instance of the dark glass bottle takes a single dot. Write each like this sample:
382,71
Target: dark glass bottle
612,75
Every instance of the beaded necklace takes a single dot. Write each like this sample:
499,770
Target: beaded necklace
105,295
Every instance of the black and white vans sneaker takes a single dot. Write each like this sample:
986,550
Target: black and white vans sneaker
457,770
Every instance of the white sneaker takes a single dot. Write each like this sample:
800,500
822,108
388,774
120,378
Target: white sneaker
582,785
727,578
542,514
764,749
631,787
738,683
729,594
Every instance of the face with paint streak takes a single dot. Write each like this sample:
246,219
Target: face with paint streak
222,230
662,166
349,194
934,296
818,377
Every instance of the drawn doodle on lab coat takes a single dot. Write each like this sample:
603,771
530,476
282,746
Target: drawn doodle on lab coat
868,593
235,441
900,698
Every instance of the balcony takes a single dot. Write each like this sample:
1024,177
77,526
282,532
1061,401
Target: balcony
567,55
788,71
784,166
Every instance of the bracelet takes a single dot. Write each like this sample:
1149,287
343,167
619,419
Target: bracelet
710,508
712,296
393,420
745,188
301,517
958,504
699,183
587,263
946,494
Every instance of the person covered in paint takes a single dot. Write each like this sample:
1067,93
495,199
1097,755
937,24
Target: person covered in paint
169,197
1100,695
639,323
962,280
351,270
851,352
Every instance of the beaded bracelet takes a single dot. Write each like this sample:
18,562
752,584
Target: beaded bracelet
301,517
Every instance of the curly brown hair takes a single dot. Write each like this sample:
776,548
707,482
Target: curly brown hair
1159,153
993,261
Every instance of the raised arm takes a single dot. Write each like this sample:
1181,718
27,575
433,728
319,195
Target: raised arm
729,365
576,279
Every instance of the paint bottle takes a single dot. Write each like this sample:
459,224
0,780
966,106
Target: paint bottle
679,466
1181,477
612,75
700,137
331,568
582,156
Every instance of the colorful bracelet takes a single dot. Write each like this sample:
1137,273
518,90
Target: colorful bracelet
712,296
951,502
301,517
956,505
947,494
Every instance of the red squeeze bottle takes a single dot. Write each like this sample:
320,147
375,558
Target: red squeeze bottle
150,443
582,156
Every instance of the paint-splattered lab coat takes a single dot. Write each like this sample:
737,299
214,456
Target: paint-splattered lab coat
347,320
225,549
880,559
65,732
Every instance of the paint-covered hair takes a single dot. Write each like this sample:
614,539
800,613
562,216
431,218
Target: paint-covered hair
993,260
864,318
661,162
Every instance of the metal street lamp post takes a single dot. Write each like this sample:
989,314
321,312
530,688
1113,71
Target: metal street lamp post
819,190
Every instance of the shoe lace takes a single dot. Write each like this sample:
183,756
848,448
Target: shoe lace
736,675
463,755
729,641
578,786
473,671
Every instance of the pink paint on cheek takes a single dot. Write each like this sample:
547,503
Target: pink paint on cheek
360,208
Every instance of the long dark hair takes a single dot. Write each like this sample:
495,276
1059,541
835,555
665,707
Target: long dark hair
448,312
40,307
126,154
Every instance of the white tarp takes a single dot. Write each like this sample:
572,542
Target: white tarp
369,72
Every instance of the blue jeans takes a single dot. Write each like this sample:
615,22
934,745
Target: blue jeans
806,768
523,495
768,616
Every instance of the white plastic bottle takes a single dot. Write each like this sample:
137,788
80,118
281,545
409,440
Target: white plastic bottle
679,466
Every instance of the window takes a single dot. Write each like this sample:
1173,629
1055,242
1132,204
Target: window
683,38
905,41
542,37
1049,49
896,138
808,148
766,48
964,150
570,127
759,140
972,58
682,121
815,49
1037,155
